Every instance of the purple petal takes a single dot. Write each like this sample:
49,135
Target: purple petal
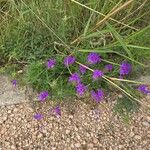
82,69
69,60
75,77
38,116
144,89
109,67
51,63
43,95
81,89
57,111
14,82
97,74
125,68
97,95
93,58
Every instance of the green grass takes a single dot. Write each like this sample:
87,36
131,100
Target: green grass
32,31
124,108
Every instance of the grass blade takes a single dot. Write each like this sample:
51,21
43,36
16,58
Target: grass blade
104,50
119,38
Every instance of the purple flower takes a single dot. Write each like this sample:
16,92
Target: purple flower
43,95
82,69
57,111
144,88
38,116
97,74
98,95
14,82
74,78
109,67
125,68
81,89
69,60
51,63
93,58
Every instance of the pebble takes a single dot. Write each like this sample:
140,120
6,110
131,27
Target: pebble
120,96
146,124
90,145
39,135
9,111
137,137
148,118
120,146
13,147
95,140
77,145
15,110
131,134
67,131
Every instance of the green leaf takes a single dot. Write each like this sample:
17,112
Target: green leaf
138,47
104,50
119,38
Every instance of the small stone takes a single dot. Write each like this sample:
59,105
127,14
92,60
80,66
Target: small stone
95,140
148,118
78,137
15,109
4,118
72,146
28,125
9,111
90,145
67,131
77,145
83,143
13,147
137,137
120,146
120,96
71,116
131,134
146,124
76,129
68,140
40,135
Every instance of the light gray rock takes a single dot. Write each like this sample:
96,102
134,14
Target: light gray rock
13,95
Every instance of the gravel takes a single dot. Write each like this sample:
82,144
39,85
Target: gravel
83,128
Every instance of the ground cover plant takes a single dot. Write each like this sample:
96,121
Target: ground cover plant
76,48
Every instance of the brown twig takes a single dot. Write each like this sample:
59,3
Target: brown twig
110,14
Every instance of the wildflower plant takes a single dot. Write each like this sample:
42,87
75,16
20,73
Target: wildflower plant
58,64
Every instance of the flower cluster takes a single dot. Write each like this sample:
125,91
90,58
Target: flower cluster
81,89
69,60
144,89
51,63
97,95
97,74
93,58
76,79
125,68
38,116
14,82
82,69
43,96
109,67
